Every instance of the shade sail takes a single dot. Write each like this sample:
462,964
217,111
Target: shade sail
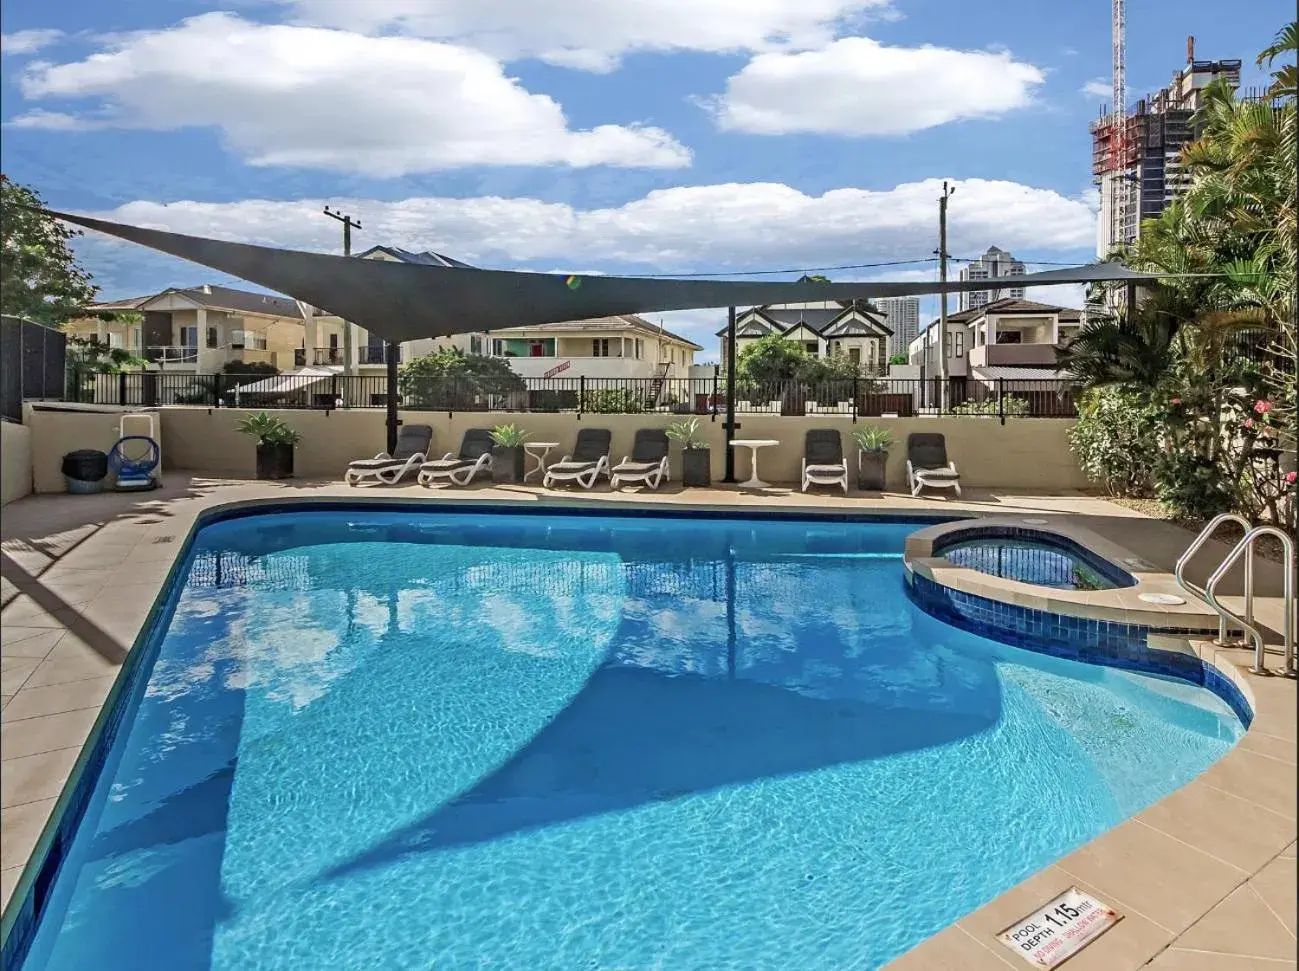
405,301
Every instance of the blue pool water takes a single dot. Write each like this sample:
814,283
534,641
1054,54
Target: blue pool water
463,741
1028,561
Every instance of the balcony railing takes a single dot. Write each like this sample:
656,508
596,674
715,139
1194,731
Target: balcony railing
1013,355
172,354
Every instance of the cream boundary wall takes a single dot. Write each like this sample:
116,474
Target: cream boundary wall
15,461
1025,454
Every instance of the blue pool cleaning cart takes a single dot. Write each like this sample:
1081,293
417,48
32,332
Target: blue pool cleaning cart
136,459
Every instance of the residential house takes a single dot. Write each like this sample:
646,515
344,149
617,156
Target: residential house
199,329
825,328
1009,338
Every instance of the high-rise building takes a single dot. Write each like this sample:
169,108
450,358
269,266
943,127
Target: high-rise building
902,314
1136,156
992,265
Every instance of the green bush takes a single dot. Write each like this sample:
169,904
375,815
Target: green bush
1116,439
614,401
1011,407
1191,486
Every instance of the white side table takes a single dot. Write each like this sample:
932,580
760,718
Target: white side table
753,444
538,451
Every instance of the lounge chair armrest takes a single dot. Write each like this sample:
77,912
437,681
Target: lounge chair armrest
952,466
448,457
382,455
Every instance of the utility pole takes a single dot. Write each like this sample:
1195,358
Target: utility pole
348,223
943,391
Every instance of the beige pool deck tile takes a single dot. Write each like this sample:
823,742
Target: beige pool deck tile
1260,743
951,949
1241,924
55,698
72,660
1275,884
20,827
1134,866
1180,959
35,777
8,881
13,635
1259,779
26,612
1129,943
46,733
15,672
1235,830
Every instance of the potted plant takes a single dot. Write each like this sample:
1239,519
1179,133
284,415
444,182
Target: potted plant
873,444
507,453
275,441
696,457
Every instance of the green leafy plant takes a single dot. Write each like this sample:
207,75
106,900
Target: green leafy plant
898,359
268,430
1011,406
873,438
686,433
1114,439
614,401
509,436
452,379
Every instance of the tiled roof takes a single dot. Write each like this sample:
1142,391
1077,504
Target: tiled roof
407,256
621,322
213,297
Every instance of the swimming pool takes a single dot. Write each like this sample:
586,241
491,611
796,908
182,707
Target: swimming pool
462,740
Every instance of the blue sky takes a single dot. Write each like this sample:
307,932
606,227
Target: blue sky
633,136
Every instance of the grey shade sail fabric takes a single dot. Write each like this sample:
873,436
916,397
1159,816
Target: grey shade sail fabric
404,301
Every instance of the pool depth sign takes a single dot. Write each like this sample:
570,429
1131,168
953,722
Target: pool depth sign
1060,929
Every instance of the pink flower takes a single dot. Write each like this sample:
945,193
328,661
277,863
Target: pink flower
1262,407
1249,422
1290,477
1174,401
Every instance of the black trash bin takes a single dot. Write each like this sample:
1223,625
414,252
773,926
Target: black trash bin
85,470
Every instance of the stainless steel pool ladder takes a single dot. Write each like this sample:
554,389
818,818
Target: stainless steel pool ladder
1245,622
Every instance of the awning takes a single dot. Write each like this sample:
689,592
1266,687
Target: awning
405,301
285,383
1007,373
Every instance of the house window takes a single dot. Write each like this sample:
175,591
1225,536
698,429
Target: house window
475,344
955,344
810,347
212,337
1009,337
498,347
189,337
854,355
639,348
600,347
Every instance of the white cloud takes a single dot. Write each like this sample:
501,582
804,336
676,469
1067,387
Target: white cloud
1097,88
28,41
327,99
592,34
857,86
691,228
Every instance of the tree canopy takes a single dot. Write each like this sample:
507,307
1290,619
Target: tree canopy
40,277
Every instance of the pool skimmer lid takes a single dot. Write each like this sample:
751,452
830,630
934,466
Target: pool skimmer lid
1161,598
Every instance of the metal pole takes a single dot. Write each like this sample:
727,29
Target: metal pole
390,351
942,305
348,222
729,427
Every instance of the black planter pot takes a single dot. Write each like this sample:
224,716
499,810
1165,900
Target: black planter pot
507,464
870,471
274,461
696,467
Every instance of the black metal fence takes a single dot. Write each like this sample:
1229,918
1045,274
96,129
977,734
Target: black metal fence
32,363
860,398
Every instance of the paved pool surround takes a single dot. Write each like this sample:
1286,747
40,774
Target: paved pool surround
1226,839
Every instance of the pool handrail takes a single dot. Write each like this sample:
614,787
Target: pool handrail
1246,548
1179,571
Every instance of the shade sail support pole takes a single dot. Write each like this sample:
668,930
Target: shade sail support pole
391,350
729,427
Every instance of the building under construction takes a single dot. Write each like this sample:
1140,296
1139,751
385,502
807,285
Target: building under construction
1136,158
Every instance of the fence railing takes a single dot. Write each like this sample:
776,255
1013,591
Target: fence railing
861,398
33,362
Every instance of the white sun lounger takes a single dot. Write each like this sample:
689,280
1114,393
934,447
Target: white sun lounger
475,457
648,462
589,460
413,443
823,459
